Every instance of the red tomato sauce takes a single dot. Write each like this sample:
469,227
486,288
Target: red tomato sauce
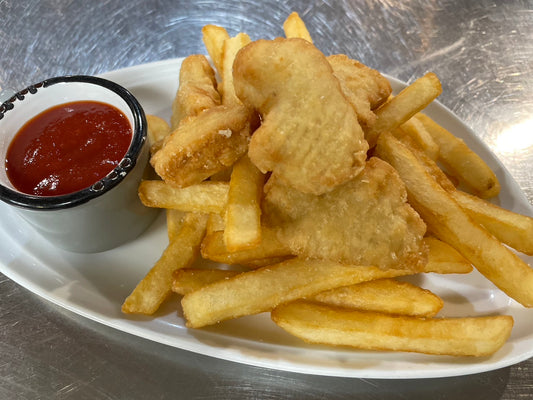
67,148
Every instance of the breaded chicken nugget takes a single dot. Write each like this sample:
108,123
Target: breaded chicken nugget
365,88
203,145
309,137
365,221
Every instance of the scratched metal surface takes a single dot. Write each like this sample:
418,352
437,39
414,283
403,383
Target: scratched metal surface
481,50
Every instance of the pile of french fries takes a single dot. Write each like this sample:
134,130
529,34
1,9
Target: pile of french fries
322,301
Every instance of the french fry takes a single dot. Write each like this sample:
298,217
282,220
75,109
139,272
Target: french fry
461,162
444,259
263,289
417,131
383,295
215,223
214,249
155,287
294,27
174,220
264,262
318,323
213,37
243,210
197,90
515,230
429,164
187,280
450,223
230,48
403,106
207,197
157,129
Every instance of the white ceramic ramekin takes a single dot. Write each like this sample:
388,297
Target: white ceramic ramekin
109,212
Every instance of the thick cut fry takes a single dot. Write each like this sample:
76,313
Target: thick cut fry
417,131
207,197
309,136
429,164
294,27
403,106
461,162
157,130
450,223
515,230
265,288
316,323
187,280
197,90
215,223
230,50
203,145
175,220
444,259
243,211
384,295
154,288
213,37
214,249
264,262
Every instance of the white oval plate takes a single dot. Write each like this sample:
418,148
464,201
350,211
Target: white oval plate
95,285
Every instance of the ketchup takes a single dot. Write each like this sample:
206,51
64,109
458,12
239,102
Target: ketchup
67,148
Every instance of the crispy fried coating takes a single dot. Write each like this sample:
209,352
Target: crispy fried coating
365,88
203,145
365,221
197,89
309,137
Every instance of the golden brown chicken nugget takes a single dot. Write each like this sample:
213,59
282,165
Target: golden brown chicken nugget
309,137
365,221
203,145
365,88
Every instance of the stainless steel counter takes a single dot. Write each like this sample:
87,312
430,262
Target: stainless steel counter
481,50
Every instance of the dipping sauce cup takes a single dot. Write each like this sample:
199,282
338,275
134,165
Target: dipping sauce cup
108,211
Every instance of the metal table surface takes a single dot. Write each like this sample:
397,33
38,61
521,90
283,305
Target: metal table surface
481,50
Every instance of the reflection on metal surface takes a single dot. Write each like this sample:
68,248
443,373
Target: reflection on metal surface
518,138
